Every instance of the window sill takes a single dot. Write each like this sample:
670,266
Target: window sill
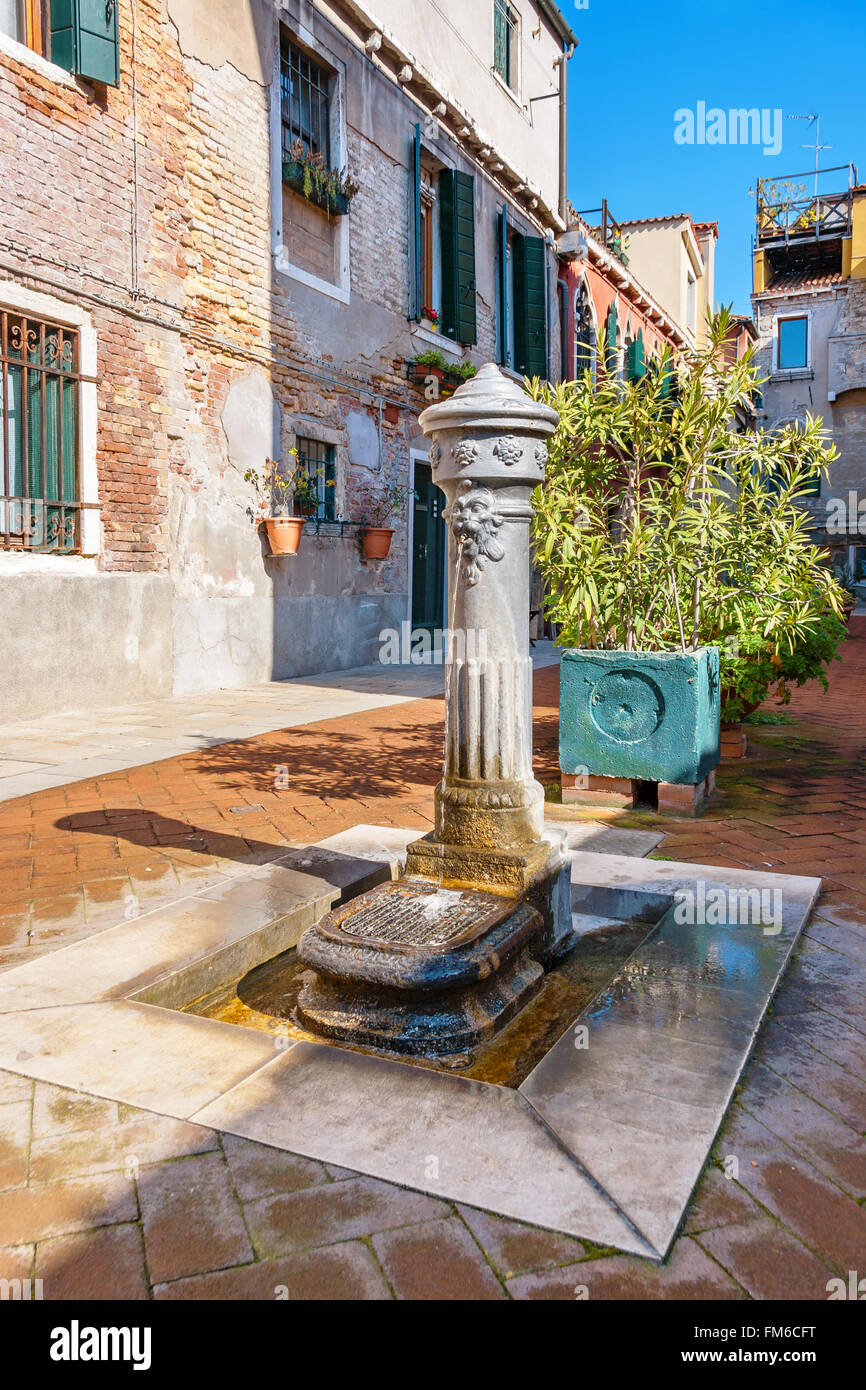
793,374
28,58
283,266
447,346
509,92
14,562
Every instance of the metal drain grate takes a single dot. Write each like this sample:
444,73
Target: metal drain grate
419,915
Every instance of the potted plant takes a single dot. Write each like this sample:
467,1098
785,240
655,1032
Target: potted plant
286,494
308,174
677,559
461,371
385,506
429,363
429,318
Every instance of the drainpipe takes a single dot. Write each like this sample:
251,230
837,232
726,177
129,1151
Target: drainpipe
567,52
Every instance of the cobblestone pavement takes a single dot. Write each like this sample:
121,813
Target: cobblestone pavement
101,1201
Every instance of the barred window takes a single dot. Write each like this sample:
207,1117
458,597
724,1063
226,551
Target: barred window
506,42
39,392
317,465
305,103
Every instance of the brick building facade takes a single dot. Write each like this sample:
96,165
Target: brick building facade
175,312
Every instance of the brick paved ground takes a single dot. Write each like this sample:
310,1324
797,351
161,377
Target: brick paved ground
101,1201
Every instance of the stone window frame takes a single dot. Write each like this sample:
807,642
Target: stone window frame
68,314
782,316
295,426
299,34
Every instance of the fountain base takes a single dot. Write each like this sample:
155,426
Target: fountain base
418,969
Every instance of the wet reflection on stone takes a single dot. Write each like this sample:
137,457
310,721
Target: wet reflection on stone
266,999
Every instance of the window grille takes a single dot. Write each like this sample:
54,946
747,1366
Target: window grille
40,506
317,463
305,103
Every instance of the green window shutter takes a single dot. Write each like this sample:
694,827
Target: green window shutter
530,306
84,38
610,340
457,232
635,362
415,225
504,307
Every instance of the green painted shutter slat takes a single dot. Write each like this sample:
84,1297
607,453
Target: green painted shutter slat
457,234
415,291
504,308
635,365
610,340
530,306
84,38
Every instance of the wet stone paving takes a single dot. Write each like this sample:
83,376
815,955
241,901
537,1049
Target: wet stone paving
102,1200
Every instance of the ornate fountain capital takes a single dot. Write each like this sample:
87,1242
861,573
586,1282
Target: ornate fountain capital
490,432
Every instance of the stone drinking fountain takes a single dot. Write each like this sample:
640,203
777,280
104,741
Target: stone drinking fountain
437,961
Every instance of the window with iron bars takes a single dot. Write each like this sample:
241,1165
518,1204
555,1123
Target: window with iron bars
317,465
506,43
40,508
305,103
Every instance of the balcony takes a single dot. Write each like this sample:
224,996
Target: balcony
788,215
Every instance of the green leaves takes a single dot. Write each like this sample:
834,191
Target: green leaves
658,523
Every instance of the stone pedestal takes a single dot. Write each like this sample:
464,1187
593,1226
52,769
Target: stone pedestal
489,849
488,454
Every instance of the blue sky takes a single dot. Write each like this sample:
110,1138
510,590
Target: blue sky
638,63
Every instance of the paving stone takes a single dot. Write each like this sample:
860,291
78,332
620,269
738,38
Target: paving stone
690,1274
334,1212
192,1221
14,1088
260,1171
828,1035
825,1140
718,1200
515,1248
16,1262
107,1263
437,1260
821,1079
130,1146
37,1213
14,1144
826,1219
767,1260
57,1110
344,1272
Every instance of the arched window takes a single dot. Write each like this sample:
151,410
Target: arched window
584,333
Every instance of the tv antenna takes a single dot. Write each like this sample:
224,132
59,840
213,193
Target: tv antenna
817,147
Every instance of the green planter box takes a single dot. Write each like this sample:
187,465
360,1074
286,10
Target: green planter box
337,204
650,716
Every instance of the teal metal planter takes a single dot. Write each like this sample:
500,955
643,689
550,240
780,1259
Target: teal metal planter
648,716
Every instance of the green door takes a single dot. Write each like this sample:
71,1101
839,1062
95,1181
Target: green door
428,552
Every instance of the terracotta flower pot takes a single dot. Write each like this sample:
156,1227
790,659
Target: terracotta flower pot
284,534
376,541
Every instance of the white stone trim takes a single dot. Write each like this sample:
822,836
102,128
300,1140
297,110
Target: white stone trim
30,59
341,288
778,317
447,346
47,306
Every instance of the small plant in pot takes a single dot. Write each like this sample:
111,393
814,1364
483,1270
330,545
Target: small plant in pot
429,318
287,496
376,534
678,562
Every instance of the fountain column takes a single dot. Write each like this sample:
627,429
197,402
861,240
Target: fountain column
434,963
488,453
